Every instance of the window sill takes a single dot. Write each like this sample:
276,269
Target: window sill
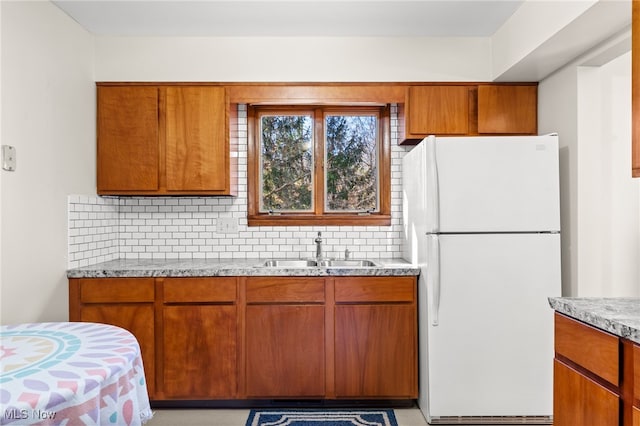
313,220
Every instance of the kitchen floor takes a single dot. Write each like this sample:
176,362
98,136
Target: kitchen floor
238,417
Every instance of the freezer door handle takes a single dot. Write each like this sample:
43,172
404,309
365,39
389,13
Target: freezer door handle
433,277
432,185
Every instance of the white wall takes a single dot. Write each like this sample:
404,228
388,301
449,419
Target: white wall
609,199
590,107
531,26
48,114
316,59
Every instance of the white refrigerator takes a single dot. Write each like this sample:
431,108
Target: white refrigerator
482,220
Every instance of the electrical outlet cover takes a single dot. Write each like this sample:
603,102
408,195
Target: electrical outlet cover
228,225
8,158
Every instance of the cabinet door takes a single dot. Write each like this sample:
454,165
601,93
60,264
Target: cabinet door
128,147
199,351
507,109
438,110
636,372
138,318
635,89
375,351
579,401
285,351
197,152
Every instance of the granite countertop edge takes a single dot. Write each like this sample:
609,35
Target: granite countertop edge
619,316
141,268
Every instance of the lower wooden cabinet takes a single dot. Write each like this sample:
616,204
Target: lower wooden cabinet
375,351
199,338
124,302
219,338
636,385
376,337
285,337
595,376
580,401
199,352
285,351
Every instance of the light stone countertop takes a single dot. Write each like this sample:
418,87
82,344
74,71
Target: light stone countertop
619,316
224,268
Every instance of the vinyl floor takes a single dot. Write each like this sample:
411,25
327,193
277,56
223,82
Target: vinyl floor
238,417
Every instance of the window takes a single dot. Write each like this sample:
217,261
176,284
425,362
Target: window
319,166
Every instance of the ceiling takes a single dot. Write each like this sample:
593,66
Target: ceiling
293,18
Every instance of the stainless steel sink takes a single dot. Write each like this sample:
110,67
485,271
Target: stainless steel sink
350,263
277,263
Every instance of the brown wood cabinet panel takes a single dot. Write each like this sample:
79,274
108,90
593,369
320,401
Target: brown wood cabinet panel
138,318
507,109
635,88
438,110
285,289
285,351
636,416
116,290
375,289
593,349
579,401
375,351
199,351
127,128
199,290
636,373
197,146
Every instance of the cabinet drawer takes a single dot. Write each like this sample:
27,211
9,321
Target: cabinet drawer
593,349
192,290
375,289
288,289
114,290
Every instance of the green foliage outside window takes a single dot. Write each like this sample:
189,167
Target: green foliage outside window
350,162
287,163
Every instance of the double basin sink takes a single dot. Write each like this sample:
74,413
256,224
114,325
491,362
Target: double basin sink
347,263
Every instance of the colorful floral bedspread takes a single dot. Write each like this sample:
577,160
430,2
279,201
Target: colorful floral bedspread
71,373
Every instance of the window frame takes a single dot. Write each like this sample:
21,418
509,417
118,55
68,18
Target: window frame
319,216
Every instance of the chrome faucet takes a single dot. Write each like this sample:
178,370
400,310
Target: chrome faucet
318,242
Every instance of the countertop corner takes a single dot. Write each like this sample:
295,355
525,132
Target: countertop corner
617,315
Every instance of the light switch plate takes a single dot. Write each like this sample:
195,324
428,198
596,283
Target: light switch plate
227,225
8,158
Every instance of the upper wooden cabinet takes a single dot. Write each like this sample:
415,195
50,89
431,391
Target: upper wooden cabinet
128,146
438,110
507,109
457,109
163,140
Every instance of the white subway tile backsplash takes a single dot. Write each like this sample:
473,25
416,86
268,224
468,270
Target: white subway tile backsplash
108,228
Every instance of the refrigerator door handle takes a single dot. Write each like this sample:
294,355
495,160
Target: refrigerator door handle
433,277
432,185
